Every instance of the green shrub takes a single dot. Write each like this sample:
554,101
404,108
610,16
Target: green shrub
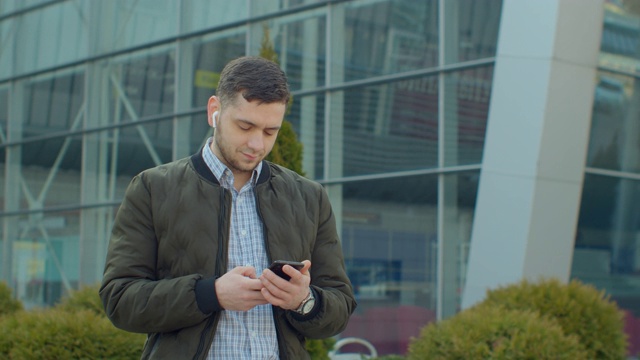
287,150
87,298
319,348
579,309
495,333
58,334
8,304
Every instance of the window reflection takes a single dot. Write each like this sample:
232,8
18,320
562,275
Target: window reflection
385,37
615,130
621,36
47,37
45,257
53,104
466,102
203,14
472,29
210,56
607,251
144,84
390,127
301,48
390,246
4,115
308,120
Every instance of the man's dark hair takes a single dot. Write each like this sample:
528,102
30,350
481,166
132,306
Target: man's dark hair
256,79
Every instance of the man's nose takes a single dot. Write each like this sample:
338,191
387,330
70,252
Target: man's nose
256,141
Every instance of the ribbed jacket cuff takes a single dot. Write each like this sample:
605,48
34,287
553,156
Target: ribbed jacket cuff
206,296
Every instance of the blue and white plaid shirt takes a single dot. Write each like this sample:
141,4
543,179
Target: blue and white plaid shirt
243,334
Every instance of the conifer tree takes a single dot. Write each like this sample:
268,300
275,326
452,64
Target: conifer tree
287,151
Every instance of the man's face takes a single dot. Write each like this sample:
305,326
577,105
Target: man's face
245,133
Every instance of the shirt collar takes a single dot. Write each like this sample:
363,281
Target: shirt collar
221,171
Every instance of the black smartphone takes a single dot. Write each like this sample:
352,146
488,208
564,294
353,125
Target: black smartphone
277,265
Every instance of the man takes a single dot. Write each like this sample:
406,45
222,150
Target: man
192,240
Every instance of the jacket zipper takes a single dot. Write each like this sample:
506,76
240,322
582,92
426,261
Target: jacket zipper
222,219
283,354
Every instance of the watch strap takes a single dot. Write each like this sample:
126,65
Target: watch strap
309,297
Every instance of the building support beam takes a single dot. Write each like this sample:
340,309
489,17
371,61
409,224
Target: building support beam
531,181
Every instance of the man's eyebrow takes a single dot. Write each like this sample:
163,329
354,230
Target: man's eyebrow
251,123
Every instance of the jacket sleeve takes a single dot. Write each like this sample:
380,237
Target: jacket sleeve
133,297
335,301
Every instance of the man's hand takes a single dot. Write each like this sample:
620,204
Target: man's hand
239,289
286,294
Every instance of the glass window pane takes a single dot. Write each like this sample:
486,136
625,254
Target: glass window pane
144,146
615,127
9,6
620,36
7,58
466,109
390,244
50,172
203,14
300,43
142,83
123,23
199,130
607,250
307,117
45,254
383,128
384,37
53,104
471,29
211,54
263,7
4,114
50,36
458,201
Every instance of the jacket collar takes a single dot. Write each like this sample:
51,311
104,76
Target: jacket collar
203,170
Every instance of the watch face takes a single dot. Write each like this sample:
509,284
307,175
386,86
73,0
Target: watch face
308,306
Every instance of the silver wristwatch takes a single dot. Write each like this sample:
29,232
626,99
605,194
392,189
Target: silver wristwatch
307,304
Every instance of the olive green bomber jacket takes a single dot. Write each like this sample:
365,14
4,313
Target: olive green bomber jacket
169,244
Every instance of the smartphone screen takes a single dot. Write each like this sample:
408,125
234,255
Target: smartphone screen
277,265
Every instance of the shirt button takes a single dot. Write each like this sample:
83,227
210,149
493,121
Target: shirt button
243,232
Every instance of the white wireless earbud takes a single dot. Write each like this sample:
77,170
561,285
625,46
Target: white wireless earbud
214,119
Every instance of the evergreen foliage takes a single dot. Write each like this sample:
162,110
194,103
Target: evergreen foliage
287,151
319,348
86,298
579,309
495,333
58,334
8,305
77,328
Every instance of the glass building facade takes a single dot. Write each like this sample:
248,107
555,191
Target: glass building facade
391,103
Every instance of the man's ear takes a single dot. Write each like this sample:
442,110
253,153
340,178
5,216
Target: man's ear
213,110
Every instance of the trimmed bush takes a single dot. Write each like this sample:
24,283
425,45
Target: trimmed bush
58,334
87,298
495,333
579,309
8,304
74,329
319,349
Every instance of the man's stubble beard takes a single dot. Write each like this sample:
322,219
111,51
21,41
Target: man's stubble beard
227,155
